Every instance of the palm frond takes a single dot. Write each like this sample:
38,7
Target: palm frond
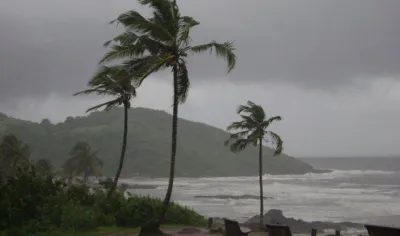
142,67
185,24
249,120
266,123
240,134
246,109
237,145
133,20
277,141
123,51
240,125
183,82
126,38
165,13
255,136
96,91
151,45
222,50
108,105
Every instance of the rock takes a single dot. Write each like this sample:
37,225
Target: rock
275,216
236,197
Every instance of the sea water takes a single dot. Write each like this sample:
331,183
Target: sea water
357,190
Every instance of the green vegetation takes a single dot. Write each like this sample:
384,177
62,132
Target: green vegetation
162,41
201,150
252,130
35,203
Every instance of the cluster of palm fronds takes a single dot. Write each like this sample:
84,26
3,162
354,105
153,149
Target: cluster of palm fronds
146,46
151,44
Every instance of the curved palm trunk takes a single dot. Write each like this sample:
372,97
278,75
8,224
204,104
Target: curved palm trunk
152,227
123,150
173,146
261,185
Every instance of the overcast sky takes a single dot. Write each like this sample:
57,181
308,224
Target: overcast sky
331,69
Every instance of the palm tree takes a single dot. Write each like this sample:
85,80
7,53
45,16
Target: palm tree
44,167
84,161
68,170
252,129
14,154
113,81
159,42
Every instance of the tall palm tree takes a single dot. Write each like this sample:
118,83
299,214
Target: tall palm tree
14,154
84,161
117,82
252,129
159,42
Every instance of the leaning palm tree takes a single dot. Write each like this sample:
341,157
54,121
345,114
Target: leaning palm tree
252,129
84,161
159,42
117,82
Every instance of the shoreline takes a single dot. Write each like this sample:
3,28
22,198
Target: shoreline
145,177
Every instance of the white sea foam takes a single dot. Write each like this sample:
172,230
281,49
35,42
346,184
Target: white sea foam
336,196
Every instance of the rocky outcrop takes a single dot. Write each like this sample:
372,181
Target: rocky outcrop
235,197
275,216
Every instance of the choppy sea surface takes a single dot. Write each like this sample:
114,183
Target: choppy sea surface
362,190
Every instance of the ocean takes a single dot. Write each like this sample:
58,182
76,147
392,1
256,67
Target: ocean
361,190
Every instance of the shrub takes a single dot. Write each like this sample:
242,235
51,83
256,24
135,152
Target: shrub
24,198
79,217
106,219
31,204
137,210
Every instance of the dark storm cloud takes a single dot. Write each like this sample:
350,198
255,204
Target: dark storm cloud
315,43
54,46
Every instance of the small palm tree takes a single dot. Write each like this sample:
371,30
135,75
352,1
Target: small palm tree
14,154
68,171
117,82
159,42
84,161
252,129
44,167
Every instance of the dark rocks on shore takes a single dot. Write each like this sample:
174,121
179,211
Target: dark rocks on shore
236,197
275,216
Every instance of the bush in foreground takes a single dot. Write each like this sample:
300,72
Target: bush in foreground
32,203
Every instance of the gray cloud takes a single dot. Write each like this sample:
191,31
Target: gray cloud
329,68
53,46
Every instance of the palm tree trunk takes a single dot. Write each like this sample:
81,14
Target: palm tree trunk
69,180
85,176
173,146
123,150
261,185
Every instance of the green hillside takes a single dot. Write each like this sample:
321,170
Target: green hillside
201,151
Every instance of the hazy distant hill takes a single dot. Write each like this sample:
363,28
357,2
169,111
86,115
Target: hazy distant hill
200,148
